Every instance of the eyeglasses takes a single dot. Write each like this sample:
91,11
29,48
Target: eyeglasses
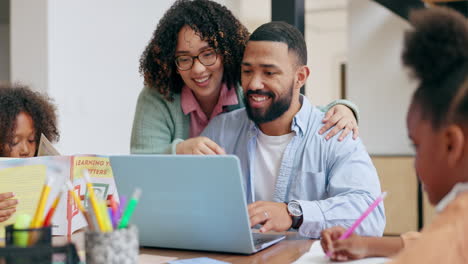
206,57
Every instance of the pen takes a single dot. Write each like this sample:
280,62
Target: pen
37,219
127,214
94,202
52,209
361,218
80,206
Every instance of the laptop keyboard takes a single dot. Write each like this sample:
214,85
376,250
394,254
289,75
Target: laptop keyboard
261,240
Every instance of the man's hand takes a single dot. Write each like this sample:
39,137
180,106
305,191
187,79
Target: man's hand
354,247
7,206
342,118
273,216
199,146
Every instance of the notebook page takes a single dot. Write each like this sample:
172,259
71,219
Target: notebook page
26,182
317,256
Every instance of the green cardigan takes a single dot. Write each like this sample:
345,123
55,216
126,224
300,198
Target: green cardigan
159,125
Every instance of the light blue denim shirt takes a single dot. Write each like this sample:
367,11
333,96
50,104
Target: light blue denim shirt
334,182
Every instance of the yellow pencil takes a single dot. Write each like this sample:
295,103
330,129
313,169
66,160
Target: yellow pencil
106,219
80,205
37,220
94,202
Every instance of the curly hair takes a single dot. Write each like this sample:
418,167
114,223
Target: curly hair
436,51
17,98
213,22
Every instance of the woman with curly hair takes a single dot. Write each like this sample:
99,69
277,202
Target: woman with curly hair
24,116
191,69
436,51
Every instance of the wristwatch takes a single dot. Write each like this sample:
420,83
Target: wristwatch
295,211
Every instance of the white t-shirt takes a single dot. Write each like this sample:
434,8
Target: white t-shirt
457,189
267,163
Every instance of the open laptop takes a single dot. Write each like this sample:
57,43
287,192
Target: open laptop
190,202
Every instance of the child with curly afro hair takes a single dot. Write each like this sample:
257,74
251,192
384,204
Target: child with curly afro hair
24,116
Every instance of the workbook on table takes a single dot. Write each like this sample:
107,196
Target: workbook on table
317,256
26,177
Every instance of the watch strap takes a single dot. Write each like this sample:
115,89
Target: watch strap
296,220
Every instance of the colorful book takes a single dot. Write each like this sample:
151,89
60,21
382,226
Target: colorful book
25,177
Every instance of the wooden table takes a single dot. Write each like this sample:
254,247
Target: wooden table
286,251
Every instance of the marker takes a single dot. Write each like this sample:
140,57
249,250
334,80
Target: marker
37,219
94,201
127,214
52,209
113,211
371,208
122,205
111,217
20,238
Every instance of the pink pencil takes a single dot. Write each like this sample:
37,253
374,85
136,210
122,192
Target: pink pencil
360,219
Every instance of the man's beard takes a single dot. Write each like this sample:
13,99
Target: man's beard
275,110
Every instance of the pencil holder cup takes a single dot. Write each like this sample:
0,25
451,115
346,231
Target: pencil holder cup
33,240
28,237
118,247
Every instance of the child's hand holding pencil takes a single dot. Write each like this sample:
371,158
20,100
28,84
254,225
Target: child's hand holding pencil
351,248
342,244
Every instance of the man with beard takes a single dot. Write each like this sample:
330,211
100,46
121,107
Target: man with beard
293,177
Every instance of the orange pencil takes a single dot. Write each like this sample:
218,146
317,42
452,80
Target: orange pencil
52,209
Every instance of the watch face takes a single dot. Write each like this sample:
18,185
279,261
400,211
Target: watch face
295,209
